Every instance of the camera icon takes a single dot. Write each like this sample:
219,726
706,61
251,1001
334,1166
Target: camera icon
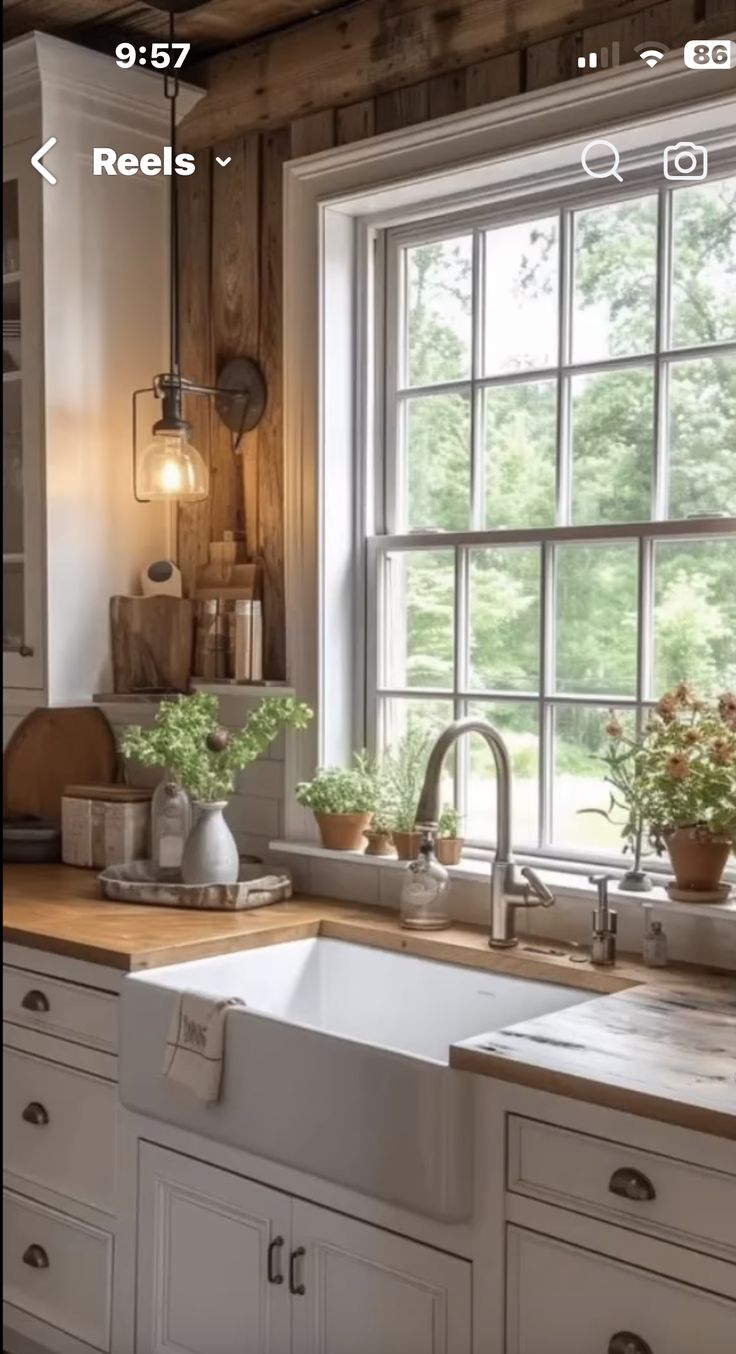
685,160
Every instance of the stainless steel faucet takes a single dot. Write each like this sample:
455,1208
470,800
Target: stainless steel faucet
507,892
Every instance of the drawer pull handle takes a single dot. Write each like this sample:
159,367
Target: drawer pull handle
36,1257
274,1252
625,1342
631,1184
36,1113
35,1001
297,1289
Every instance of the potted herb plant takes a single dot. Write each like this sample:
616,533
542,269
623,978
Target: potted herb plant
678,778
343,802
448,846
625,759
403,771
187,738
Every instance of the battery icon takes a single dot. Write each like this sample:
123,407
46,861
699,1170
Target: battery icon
717,54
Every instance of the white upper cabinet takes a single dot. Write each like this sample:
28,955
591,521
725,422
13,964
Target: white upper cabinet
85,296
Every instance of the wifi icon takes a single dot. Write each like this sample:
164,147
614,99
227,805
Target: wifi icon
651,52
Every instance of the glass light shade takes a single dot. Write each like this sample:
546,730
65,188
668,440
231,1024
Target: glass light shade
170,467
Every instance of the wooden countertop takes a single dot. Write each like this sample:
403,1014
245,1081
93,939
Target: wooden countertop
661,1043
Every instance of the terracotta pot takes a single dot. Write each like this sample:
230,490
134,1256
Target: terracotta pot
343,831
379,844
448,850
407,844
698,861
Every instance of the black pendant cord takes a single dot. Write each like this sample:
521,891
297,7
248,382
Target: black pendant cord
171,87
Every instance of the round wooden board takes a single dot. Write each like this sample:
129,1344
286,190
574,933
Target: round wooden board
53,748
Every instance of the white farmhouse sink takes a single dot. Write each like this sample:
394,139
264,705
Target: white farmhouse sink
338,1064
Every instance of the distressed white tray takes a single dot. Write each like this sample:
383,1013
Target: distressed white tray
141,882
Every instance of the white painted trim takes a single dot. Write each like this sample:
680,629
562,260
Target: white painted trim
514,147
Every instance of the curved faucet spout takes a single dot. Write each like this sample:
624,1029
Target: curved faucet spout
507,892
428,809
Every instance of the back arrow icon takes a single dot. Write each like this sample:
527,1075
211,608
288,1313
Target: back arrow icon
37,158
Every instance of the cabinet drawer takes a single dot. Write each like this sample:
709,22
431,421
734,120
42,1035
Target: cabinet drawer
58,1269
563,1300
59,1128
80,1014
673,1199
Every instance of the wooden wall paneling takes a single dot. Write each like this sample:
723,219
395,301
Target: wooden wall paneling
671,22
195,218
556,59
446,94
235,316
276,150
313,133
497,78
402,107
356,122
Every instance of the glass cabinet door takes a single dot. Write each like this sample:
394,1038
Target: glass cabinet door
22,553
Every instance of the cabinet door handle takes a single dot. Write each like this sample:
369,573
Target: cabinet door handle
297,1289
274,1253
36,1257
625,1342
36,1000
25,651
35,1113
631,1184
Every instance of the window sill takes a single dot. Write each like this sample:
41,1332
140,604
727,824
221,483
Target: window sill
566,884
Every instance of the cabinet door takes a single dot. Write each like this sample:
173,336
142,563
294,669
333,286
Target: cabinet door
563,1300
204,1240
367,1291
23,599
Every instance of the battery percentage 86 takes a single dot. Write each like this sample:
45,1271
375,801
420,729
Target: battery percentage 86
719,53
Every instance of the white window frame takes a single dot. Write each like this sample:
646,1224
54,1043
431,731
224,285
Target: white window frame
337,204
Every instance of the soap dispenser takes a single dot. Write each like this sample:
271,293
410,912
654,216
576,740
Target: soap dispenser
654,947
423,905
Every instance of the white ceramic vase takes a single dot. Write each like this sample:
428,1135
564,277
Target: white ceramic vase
210,854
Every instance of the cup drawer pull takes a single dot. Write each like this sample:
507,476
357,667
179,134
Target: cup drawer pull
36,1257
36,1000
625,1342
631,1184
35,1113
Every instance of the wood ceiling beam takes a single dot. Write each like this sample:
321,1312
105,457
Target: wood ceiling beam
366,49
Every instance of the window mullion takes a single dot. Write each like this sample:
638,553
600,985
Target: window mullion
661,370
547,642
460,678
477,466
564,451
645,620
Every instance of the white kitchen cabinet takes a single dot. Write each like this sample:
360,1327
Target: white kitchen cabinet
562,1299
84,325
367,1291
226,1266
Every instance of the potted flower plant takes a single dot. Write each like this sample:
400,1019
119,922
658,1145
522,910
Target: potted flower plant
342,801
685,785
625,762
403,771
187,737
448,846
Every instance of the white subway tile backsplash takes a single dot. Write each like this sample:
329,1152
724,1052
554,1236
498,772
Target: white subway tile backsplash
248,813
264,778
338,879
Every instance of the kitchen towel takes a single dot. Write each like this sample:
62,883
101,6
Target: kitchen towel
195,1047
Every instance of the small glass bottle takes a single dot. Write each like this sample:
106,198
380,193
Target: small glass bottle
423,905
171,822
654,946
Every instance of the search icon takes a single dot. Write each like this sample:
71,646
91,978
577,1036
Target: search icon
611,172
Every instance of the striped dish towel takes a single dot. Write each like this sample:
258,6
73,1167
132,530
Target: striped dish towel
195,1047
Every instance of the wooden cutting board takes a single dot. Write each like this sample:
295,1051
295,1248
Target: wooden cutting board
51,749
152,643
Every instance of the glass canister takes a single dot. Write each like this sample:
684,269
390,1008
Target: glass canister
424,896
171,823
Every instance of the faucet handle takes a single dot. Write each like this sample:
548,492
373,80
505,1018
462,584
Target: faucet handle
544,896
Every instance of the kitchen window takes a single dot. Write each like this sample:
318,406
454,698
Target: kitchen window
555,487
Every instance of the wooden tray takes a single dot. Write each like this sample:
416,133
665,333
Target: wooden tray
140,882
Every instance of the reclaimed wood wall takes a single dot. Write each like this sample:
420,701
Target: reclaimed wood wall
263,108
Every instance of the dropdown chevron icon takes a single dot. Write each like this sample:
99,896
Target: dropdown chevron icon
38,157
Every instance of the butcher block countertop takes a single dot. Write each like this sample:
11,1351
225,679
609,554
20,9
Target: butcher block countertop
660,1043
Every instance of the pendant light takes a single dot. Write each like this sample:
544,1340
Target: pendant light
171,466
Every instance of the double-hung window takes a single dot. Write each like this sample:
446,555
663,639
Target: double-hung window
557,474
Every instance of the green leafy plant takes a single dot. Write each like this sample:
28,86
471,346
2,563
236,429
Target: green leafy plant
402,777
336,789
204,757
679,771
449,823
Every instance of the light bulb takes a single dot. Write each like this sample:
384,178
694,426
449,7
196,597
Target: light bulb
170,467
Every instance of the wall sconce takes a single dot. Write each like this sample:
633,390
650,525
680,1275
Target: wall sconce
170,466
